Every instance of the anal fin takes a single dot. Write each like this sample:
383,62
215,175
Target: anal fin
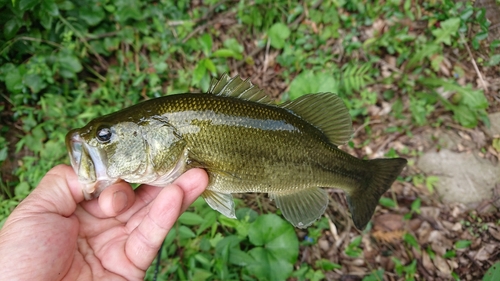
303,207
222,202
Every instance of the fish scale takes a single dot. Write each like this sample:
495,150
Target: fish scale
244,141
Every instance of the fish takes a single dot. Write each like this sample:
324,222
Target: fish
246,142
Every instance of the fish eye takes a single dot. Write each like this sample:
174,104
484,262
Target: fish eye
104,134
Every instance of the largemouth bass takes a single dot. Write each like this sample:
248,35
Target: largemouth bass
244,141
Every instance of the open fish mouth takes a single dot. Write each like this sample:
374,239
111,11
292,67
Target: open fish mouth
88,162
74,145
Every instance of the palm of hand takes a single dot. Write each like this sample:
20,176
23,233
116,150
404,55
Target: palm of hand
113,238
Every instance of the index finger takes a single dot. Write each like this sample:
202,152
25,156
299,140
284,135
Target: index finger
193,183
145,239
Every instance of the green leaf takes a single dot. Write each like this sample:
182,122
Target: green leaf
327,265
275,233
185,232
415,205
473,98
92,14
66,5
11,27
6,69
494,60
239,257
278,247
430,182
14,81
210,66
450,254
189,218
50,7
70,64
353,249
462,244
246,214
206,44
269,266
493,273
278,33
309,82
229,250
52,150
471,103
315,275
45,20
410,239
496,144
426,51
22,189
128,9
35,82
160,66
27,4
200,274
234,45
227,53
3,154
199,72
375,276
465,116
448,29
209,219
388,202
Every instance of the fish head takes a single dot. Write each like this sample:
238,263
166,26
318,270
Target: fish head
103,153
106,151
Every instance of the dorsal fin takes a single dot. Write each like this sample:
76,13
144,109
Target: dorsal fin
238,88
325,111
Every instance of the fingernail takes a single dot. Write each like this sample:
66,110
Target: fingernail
120,201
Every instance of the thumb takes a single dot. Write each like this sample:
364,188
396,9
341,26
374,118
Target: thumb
58,192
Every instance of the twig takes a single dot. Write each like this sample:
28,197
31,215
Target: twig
205,17
100,36
458,127
89,68
387,141
483,83
25,38
177,22
7,98
395,69
202,27
266,57
474,261
364,126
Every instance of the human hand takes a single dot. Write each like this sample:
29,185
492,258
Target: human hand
55,235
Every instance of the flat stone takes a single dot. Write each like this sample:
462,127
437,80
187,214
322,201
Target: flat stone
463,177
494,129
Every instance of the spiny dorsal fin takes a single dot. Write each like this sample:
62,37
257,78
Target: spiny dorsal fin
238,88
325,111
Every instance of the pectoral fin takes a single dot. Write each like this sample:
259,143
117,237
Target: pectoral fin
222,202
303,207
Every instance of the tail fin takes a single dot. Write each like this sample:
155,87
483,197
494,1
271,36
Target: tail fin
363,201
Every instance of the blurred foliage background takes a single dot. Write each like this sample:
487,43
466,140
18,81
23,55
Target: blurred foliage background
65,62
